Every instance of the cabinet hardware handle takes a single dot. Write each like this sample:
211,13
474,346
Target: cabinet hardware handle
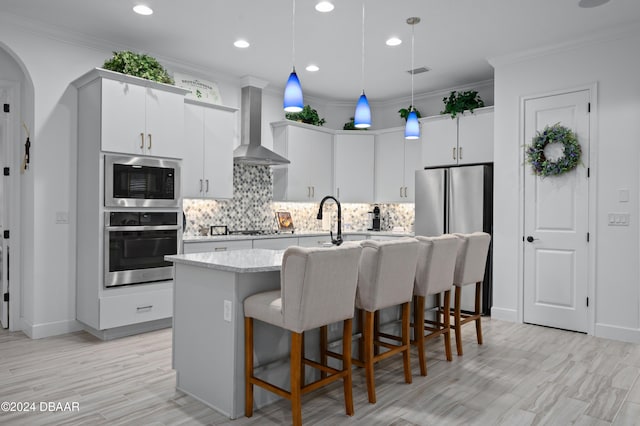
454,153
308,192
207,190
149,141
200,185
405,192
144,308
460,153
313,191
400,192
141,140
220,249
338,192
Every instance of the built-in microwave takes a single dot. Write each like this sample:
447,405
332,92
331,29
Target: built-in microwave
141,182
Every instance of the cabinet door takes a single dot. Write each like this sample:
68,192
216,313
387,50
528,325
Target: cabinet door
412,156
164,123
299,170
389,167
354,164
475,137
439,141
321,164
279,243
123,117
207,246
219,140
192,159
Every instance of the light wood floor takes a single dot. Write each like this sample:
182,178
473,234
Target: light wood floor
522,375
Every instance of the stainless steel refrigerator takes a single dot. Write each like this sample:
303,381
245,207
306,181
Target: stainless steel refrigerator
457,199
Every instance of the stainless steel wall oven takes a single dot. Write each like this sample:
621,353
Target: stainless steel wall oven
141,182
135,244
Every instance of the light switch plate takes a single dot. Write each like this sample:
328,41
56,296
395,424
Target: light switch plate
62,217
618,219
623,195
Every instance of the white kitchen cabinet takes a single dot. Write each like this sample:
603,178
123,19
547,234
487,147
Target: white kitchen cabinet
210,134
278,243
141,117
309,176
354,164
396,160
321,240
121,310
466,139
206,246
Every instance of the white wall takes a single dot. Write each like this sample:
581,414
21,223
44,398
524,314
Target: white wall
615,139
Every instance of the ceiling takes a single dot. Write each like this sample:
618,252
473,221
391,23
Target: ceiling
453,39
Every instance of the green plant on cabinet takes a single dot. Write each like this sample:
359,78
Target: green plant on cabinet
458,102
307,115
138,65
404,112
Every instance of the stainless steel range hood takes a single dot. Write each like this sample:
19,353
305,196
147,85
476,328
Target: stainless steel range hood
251,150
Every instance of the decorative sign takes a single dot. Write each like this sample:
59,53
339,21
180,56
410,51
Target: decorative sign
201,90
285,222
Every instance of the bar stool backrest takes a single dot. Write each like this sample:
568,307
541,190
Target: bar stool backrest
472,258
318,285
436,264
387,272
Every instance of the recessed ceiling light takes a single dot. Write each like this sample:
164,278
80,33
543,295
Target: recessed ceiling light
394,41
324,6
242,44
591,3
312,68
142,9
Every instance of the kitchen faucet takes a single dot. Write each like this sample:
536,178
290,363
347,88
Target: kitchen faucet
338,239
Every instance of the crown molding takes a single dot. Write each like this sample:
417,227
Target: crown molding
621,32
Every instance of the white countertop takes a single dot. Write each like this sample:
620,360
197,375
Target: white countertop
234,237
243,261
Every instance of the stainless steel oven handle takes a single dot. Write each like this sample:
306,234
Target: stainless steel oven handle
142,228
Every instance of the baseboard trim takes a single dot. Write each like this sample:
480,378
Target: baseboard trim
615,332
504,314
40,331
128,330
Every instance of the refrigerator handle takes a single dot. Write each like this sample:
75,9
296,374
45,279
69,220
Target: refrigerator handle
447,198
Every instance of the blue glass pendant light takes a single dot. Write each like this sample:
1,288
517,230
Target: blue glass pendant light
412,129
362,118
293,101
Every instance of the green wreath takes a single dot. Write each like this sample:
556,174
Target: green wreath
540,165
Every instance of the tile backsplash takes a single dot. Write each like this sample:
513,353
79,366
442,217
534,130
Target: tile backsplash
252,207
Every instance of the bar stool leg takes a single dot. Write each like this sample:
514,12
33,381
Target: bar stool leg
478,308
376,332
346,365
361,318
248,366
296,387
324,341
418,332
406,308
456,320
368,355
447,324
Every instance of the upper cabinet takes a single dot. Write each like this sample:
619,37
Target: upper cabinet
466,139
309,176
210,134
137,116
354,165
396,160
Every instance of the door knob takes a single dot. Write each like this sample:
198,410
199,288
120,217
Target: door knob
531,239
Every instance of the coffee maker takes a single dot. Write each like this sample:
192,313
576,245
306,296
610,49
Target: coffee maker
374,219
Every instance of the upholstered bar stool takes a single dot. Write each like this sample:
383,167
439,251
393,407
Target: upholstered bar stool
470,268
385,279
318,287
434,275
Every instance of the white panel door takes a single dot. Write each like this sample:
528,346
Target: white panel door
412,157
123,117
556,222
439,141
164,123
219,140
389,167
475,136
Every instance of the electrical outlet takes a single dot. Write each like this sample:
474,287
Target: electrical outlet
62,217
227,310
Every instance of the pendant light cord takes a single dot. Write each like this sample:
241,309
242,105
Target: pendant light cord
413,27
362,71
293,35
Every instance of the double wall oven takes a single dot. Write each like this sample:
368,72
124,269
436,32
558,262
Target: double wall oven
141,219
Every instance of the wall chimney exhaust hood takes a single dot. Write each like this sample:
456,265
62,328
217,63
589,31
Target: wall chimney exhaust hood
251,150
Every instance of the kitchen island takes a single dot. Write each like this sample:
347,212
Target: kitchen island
208,326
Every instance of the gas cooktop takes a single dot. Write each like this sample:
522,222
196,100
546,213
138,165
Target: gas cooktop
251,232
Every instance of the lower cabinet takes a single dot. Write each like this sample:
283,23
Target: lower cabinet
127,309
205,246
279,243
315,241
